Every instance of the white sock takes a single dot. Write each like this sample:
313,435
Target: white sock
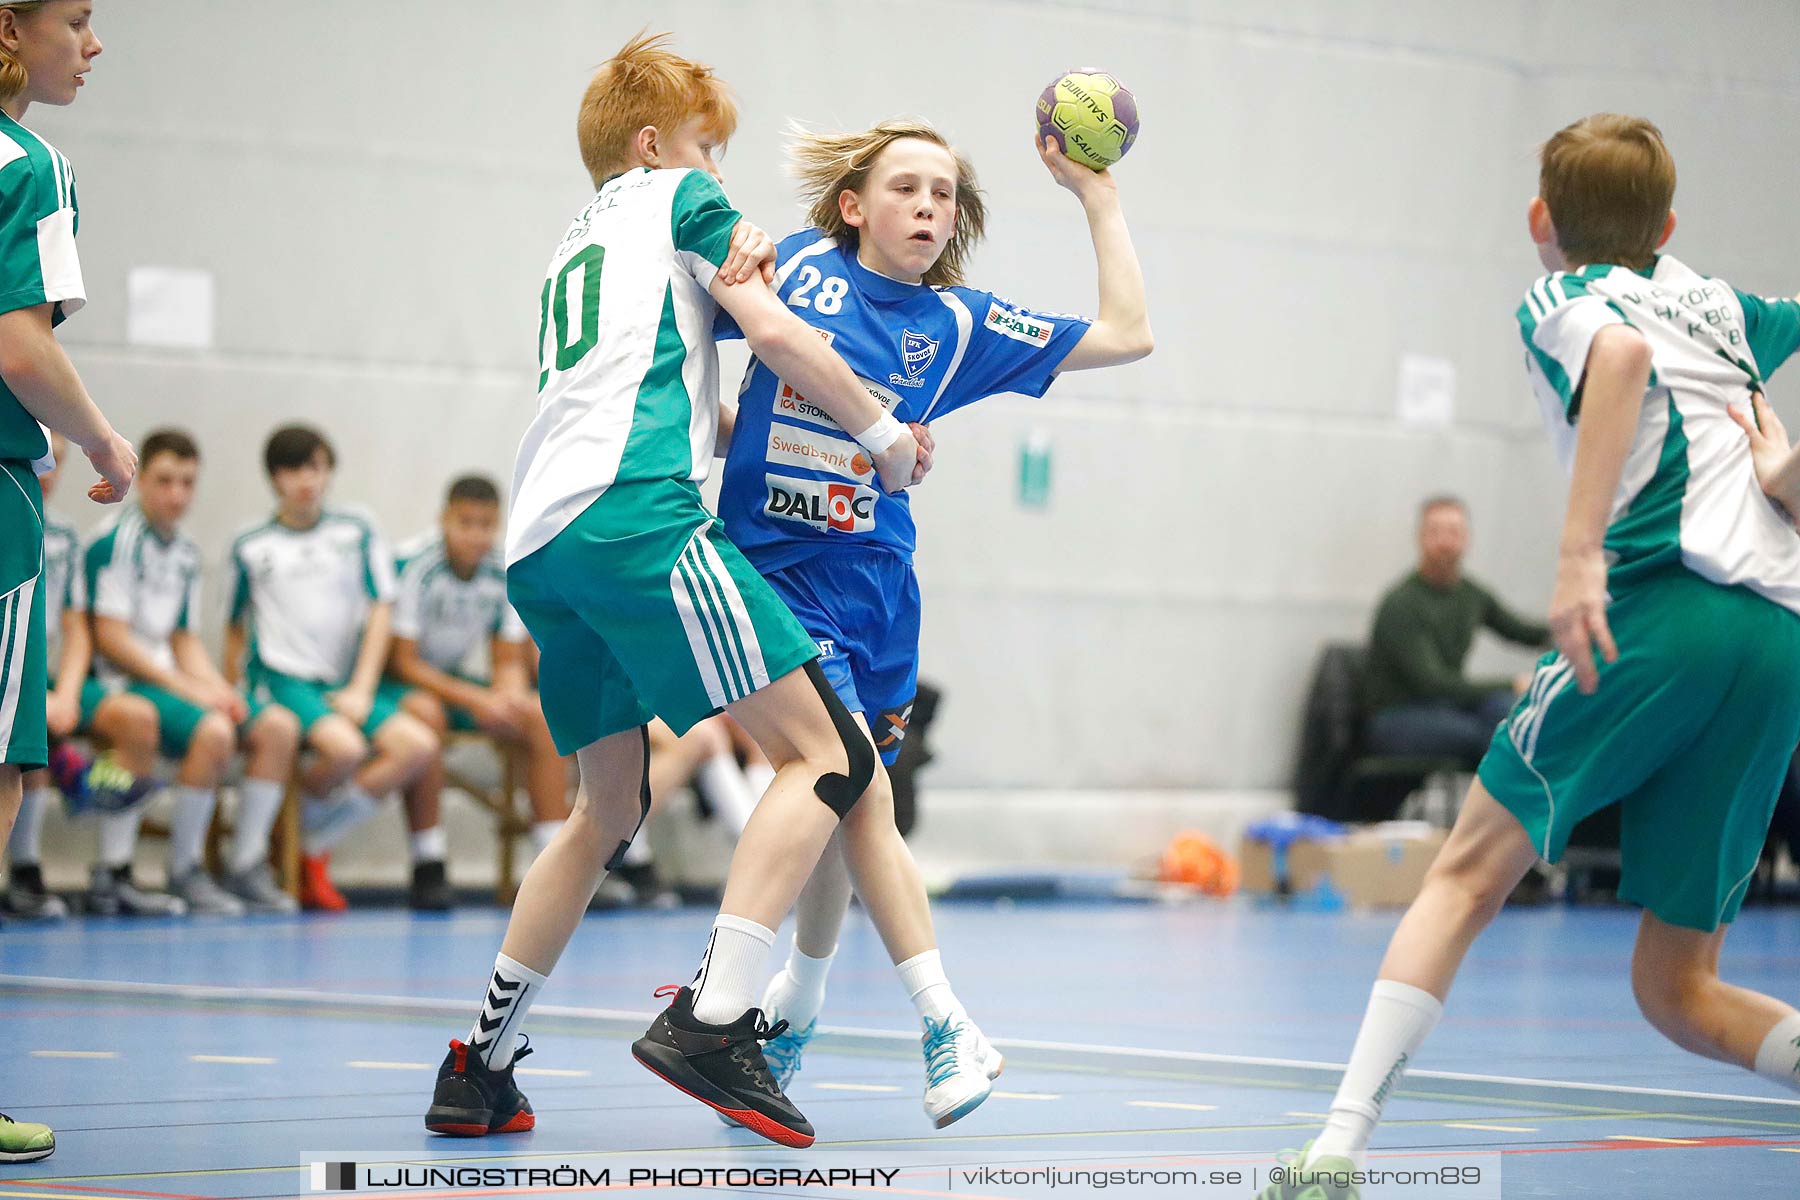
1399,1019
728,790
259,802
27,842
797,993
542,832
760,775
429,845
923,977
187,827
1779,1057
725,987
328,822
510,992
119,835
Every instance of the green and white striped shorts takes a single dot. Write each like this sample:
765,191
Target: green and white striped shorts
642,607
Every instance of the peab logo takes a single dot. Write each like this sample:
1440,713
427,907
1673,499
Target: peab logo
1019,327
845,507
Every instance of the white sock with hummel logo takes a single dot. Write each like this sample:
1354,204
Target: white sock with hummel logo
1399,1019
1779,1058
511,989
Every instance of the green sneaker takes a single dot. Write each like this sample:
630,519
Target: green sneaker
22,1141
1311,1183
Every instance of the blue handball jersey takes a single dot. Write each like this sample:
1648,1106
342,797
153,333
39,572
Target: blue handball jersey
795,483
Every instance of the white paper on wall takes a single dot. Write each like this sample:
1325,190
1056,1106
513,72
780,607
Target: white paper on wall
1427,393
169,306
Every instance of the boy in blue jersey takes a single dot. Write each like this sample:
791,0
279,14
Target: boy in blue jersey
895,212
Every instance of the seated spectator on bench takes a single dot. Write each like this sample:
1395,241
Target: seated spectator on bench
1419,702
143,583
450,603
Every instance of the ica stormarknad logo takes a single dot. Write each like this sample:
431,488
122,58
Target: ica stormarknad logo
916,354
1019,327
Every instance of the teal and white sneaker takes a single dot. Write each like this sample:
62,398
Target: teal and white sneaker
1316,1182
956,1069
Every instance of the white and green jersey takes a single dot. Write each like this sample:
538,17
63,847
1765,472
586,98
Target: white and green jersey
628,385
38,264
1688,495
152,583
306,593
449,616
63,589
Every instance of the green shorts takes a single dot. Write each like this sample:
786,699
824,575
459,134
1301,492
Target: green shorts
177,718
1690,731
92,693
643,608
306,698
460,720
24,641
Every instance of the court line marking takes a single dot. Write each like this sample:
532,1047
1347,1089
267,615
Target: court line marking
312,998
74,1054
1657,1141
247,1059
1173,1104
1489,1128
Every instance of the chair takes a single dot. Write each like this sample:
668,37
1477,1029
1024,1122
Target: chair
500,799
1336,777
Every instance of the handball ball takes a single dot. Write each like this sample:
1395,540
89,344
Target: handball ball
1092,116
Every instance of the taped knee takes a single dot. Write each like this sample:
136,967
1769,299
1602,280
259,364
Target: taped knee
618,856
838,792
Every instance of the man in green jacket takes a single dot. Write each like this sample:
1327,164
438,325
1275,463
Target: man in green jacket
1418,700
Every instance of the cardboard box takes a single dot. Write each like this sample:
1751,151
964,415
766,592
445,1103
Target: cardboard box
1377,866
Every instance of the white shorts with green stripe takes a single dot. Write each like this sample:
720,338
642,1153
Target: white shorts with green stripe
642,607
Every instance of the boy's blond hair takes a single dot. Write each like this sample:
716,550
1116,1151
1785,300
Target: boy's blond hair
826,164
13,76
1609,181
646,83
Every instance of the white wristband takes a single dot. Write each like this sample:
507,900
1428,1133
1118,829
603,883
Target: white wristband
882,434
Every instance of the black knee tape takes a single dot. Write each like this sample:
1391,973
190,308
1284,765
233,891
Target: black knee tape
618,857
837,792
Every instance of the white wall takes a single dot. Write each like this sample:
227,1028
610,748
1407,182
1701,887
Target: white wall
1320,187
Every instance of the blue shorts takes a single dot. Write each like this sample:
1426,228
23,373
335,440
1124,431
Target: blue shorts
862,608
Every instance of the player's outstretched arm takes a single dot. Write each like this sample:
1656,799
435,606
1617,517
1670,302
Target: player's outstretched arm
797,354
1121,332
39,373
1777,464
1612,396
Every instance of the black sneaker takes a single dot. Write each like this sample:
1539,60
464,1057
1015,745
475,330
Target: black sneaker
722,1066
473,1100
26,897
430,891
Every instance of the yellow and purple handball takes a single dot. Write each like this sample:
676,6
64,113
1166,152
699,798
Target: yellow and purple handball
1092,116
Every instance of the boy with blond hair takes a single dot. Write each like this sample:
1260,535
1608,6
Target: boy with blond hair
1676,613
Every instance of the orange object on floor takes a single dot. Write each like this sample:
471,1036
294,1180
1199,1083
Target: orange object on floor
1196,860
317,892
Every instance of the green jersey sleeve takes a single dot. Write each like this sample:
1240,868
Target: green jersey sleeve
1772,326
38,263
701,222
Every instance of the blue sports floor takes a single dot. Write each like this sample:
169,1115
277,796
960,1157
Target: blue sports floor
199,1059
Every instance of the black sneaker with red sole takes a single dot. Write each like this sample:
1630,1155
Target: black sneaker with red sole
722,1066
473,1100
